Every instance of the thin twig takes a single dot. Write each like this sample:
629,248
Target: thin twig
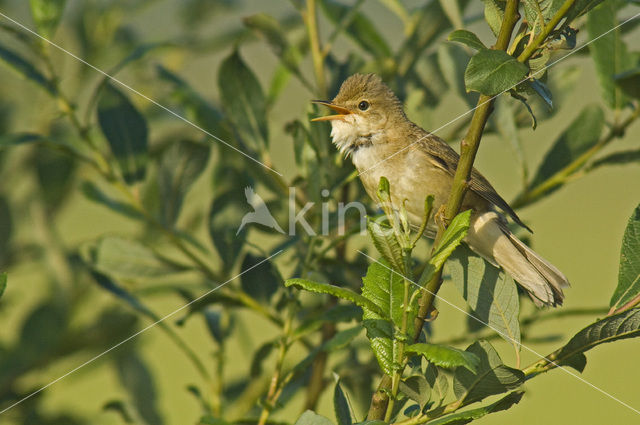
561,177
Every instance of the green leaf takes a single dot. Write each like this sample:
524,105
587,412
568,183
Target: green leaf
279,80
201,398
492,377
493,14
3,283
467,416
385,241
210,420
181,164
120,408
341,339
523,100
27,70
580,7
270,29
361,30
341,404
453,60
46,15
612,328
109,285
629,273
438,383
451,239
384,190
7,230
95,194
397,8
127,259
138,53
578,362
15,139
617,158
582,134
451,8
417,389
493,71
467,38
219,322
609,52
428,23
40,336
259,356
224,216
197,108
337,314
538,12
446,357
138,380
55,173
336,291
262,281
538,64
311,418
542,90
305,151
244,100
125,128
491,293
504,119
385,289
629,82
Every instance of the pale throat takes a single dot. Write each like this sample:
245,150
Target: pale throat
353,133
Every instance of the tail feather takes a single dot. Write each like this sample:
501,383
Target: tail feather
554,277
490,237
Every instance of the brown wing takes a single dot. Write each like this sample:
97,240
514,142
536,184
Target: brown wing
444,155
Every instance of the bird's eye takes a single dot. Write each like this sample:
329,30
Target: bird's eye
363,106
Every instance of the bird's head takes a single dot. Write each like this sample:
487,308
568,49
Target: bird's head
365,107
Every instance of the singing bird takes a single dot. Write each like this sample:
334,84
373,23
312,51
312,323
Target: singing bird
371,127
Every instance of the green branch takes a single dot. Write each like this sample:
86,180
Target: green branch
551,25
564,174
317,55
469,148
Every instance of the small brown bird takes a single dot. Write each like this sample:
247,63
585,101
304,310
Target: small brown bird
372,128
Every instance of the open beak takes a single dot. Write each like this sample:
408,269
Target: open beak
341,112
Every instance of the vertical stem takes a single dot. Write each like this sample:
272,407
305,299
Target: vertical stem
217,383
317,56
468,150
277,382
317,382
397,373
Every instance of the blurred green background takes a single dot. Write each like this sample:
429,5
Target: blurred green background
579,228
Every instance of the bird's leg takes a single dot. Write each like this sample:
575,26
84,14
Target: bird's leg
440,217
